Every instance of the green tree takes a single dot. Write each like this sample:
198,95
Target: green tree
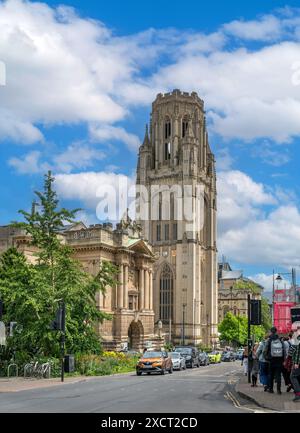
234,330
31,291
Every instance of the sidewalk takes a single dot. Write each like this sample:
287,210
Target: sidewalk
20,384
274,401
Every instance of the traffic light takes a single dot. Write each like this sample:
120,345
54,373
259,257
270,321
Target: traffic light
255,312
59,323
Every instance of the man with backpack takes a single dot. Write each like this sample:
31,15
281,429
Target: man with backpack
274,353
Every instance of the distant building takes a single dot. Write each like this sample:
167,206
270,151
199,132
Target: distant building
232,299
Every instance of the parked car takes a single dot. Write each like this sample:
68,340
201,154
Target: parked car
152,362
203,358
178,360
190,354
240,354
227,357
214,357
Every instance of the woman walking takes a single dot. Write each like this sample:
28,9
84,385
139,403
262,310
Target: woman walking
255,366
245,361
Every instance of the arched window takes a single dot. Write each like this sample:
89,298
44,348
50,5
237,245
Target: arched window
166,294
167,128
185,124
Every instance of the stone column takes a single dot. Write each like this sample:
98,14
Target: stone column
151,289
141,289
120,287
125,288
146,277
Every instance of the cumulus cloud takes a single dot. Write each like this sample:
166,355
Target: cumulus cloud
239,200
266,281
274,238
108,132
29,164
77,156
62,68
266,28
104,193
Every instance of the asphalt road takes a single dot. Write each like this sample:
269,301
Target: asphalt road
200,390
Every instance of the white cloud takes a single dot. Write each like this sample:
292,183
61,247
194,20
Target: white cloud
239,200
91,188
273,239
62,68
267,281
77,156
108,132
29,164
266,28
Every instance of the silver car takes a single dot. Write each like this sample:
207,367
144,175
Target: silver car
178,361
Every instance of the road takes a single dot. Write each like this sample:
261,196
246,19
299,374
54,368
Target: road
200,390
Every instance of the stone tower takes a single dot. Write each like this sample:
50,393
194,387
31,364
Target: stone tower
176,206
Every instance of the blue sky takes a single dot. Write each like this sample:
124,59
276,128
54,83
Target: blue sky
80,80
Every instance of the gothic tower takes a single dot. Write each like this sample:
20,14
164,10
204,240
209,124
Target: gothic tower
176,192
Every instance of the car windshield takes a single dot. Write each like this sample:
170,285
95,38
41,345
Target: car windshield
152,355
184,350
175,355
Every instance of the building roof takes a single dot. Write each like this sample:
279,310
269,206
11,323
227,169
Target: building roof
231,275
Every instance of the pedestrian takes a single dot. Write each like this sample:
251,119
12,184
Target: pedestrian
255,366
274,353
245,361
263,363
287,364
295,373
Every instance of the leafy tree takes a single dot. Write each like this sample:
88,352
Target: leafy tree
247,285
31,292
234,329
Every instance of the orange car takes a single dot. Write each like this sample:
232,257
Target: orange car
154,362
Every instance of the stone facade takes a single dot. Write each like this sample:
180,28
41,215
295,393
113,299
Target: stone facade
233,300
175,156
130,302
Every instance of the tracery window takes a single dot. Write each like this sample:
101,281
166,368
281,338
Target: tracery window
166,294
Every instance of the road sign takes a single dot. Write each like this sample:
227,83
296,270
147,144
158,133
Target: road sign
2,334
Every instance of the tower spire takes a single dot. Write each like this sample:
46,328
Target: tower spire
146,138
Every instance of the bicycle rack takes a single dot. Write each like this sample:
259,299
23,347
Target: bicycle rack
10,366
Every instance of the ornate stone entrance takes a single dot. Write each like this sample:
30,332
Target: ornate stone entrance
135,336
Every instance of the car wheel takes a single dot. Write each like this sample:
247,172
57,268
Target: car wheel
148,373
138,373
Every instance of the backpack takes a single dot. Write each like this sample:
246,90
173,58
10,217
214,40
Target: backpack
276,349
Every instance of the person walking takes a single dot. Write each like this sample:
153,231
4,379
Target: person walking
295,373
287,365
255,366
263,363
245,361
275,354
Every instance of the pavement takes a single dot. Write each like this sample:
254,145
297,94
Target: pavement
199,390
274,402
20,384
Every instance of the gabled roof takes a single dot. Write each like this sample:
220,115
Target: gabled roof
139,245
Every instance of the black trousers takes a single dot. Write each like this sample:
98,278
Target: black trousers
275,369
